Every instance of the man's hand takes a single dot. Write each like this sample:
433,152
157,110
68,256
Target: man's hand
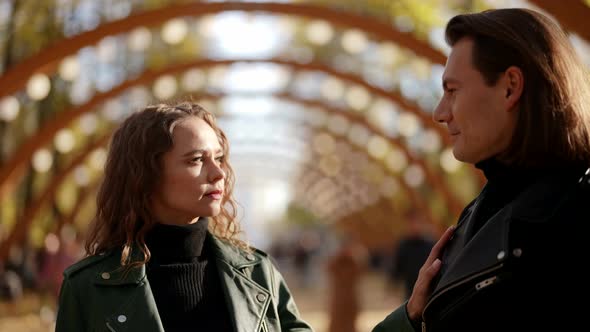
421,291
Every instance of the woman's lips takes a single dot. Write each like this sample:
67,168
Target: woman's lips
216,194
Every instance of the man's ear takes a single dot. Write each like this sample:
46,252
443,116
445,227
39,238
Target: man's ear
513,82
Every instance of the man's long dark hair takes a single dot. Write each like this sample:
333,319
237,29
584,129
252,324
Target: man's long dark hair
554,110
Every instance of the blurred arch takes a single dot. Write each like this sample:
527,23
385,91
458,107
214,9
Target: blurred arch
14,168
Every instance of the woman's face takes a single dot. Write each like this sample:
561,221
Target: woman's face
192,180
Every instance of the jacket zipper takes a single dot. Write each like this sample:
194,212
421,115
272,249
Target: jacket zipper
482,284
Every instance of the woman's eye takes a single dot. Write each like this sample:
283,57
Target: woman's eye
220,159
197,159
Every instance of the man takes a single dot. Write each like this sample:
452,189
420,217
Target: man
517,105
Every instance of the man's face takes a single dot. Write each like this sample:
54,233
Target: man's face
478,116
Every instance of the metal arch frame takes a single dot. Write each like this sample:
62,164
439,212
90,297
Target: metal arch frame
14,168
46,60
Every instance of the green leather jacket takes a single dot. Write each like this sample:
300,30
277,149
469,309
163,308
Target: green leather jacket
96,295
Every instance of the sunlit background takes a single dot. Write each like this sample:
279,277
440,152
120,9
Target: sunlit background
326,103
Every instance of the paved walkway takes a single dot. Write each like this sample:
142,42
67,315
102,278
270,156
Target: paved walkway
376,303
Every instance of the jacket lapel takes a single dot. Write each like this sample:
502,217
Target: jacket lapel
136,310
488,248
247,300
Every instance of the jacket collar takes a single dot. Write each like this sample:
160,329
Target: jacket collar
230,254
111,273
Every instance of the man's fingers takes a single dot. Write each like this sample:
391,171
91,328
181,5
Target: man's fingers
430,268
422,287
434,268
431,271
436,249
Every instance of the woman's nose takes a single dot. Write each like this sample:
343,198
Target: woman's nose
216,174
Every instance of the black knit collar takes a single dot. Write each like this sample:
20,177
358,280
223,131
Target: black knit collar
170,244
496,171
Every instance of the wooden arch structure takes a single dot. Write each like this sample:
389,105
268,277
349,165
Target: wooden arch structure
13,81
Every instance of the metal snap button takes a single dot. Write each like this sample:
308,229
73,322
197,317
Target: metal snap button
261,297
105,275
517,252
501,254
122,318
250,257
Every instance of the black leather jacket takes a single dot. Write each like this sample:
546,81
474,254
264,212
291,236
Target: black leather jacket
519,270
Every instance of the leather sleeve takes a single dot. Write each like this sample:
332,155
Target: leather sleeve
397,321
286,307
69,315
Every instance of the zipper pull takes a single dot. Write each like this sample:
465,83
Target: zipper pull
485,283
423,326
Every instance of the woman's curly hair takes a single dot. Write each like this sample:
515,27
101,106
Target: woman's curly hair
131,173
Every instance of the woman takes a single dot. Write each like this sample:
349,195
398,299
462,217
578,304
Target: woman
163,252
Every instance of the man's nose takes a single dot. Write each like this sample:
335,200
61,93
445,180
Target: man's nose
441,112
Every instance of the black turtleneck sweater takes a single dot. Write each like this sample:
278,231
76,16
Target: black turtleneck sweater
504,183
184,280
